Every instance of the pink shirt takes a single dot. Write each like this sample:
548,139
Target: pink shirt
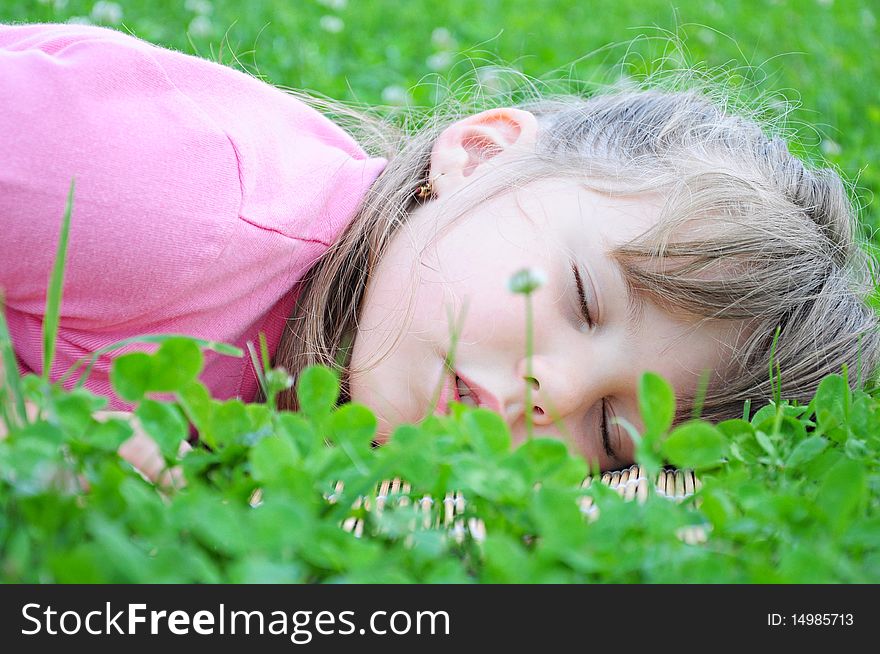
202,196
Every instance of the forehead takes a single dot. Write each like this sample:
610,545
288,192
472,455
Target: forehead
575,204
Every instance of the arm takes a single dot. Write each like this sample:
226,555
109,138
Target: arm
155,204
157,187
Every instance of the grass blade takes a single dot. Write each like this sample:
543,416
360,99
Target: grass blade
53,297
12,382
261,377
264,351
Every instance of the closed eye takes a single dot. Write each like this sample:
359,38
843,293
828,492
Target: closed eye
584,305
606,439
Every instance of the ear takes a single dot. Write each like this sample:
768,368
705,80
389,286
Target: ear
464,147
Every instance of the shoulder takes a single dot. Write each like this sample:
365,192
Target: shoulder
157,181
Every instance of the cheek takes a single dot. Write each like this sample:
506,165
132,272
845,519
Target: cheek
474,273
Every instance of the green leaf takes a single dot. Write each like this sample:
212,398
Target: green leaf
177,364
130,375
261,570
107,436
124,561
353,423
490,434
696,445
735,427
220,523
273,458
74,412
805,451
561,526
656,403
317,390
164,424
542,456
196,403
864,419
831,402
300,431
841,492
229,422
855,448
352,427
765,443
762,414
80,565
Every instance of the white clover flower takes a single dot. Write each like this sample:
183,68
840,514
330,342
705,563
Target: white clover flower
715,9
109,13
779,105
338,5
707,36
868,18
439,61
395,95
491,80
58,4
442,38
201,25
527,280
332,24
79,20
203,7
830,147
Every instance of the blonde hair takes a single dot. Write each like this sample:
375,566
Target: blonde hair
747,232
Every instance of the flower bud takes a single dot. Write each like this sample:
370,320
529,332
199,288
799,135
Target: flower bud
527,281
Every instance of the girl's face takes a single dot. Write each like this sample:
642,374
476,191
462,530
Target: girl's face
586,362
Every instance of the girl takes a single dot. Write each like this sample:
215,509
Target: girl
672,235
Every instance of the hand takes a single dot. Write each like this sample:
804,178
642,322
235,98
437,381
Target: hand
143,453
139,450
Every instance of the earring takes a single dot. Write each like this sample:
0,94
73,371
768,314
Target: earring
425,191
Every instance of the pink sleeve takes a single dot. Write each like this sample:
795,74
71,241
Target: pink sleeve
202,197
157,185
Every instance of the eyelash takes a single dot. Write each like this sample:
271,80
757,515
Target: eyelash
585,309
606,439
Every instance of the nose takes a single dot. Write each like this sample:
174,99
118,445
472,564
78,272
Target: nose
557,393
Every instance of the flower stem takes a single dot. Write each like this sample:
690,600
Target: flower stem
528,407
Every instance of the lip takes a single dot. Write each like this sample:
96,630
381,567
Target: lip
482,397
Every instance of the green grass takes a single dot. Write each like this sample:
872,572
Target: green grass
822,55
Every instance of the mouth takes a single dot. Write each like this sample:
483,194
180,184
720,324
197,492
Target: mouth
456,389
465,394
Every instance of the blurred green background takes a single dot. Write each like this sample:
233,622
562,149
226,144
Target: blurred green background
822,55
